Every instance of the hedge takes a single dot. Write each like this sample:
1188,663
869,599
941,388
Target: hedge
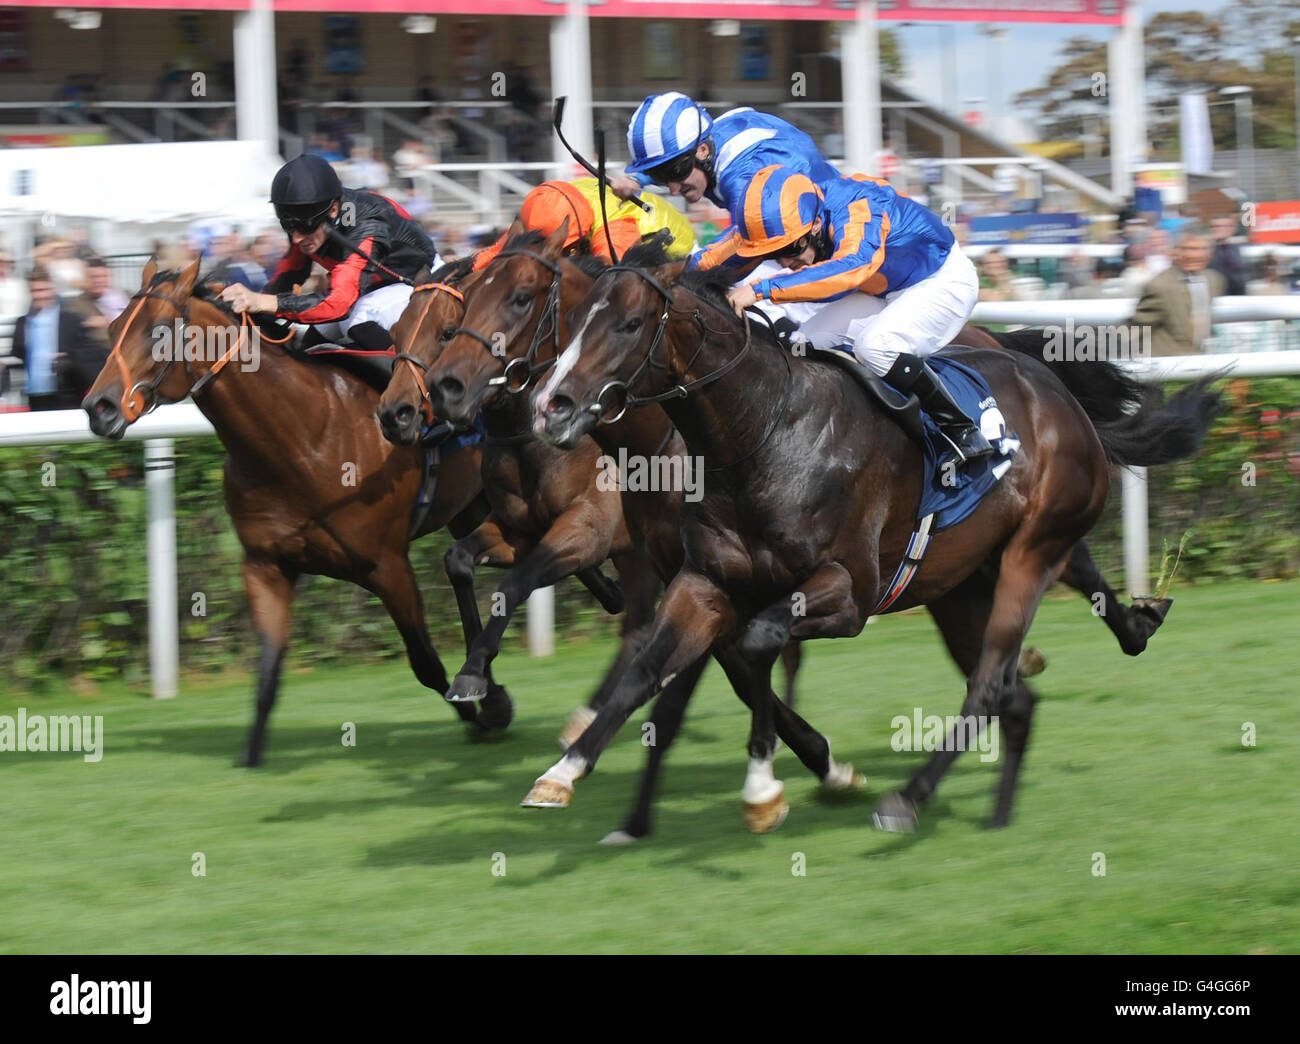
73,532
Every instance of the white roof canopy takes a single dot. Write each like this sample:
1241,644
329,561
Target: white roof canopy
153,183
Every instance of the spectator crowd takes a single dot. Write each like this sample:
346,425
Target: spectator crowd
55,308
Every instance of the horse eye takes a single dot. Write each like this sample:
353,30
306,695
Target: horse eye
632,325
448,332
522,298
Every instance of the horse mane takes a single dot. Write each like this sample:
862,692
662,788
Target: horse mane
208,293
712,283
588,264
453,271
651,252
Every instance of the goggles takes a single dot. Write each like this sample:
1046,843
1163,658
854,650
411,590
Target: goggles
678,169
790,249
304,219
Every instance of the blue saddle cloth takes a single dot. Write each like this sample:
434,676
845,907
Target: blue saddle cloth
953,493
471,436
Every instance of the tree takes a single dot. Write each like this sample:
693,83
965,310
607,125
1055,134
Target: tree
1187,52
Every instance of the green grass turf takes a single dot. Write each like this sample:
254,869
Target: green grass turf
389,846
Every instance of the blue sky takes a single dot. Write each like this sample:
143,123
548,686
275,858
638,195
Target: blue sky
1026,55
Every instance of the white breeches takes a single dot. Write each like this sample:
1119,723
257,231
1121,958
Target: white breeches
383,307
919,319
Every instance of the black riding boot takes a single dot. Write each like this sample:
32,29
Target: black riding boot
371,337
912,376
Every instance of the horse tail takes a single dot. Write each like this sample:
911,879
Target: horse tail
1137,425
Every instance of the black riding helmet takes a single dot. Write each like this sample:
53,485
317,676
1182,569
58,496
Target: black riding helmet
303,191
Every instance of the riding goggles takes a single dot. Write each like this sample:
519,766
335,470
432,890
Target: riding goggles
790,249
678,169
305,219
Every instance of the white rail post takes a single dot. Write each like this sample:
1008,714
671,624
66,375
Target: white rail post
541,622
571,77
1137,570
860,87
159,476
256,115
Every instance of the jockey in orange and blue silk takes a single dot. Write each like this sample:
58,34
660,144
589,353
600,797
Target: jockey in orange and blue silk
887,274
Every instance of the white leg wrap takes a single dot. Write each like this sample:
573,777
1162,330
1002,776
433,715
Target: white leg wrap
568,770
760,784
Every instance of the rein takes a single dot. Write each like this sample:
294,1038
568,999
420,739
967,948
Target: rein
148,398
418,366
519,373
680,390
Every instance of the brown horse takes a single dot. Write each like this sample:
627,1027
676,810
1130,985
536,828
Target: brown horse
547,519
811,504
439,351
310,483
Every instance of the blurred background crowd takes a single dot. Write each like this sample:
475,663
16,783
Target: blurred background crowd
65,279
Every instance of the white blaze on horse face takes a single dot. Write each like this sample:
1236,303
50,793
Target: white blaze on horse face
568,359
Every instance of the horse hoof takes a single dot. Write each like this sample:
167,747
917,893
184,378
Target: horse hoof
548,793
895,814
1148,615
467,688
576,726
618,837
766,816
249,759
1032,662
495,712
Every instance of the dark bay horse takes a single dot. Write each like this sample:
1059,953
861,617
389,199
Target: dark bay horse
811,502
449,358
310,483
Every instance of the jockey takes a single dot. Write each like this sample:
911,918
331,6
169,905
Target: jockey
546,207
370,246
857,242
673,141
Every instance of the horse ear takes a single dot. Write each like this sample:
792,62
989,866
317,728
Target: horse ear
185,284
150,270
554,245
670,273
517,228
423,276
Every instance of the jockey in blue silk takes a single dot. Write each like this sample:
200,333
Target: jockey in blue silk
673,141
849,246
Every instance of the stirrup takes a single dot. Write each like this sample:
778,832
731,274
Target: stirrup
967,444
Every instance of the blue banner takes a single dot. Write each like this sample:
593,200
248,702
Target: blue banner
1004,229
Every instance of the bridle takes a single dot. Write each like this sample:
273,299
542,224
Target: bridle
680,390
419,368
520,372
148,390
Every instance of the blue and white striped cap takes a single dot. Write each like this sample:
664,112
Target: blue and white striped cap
664,127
